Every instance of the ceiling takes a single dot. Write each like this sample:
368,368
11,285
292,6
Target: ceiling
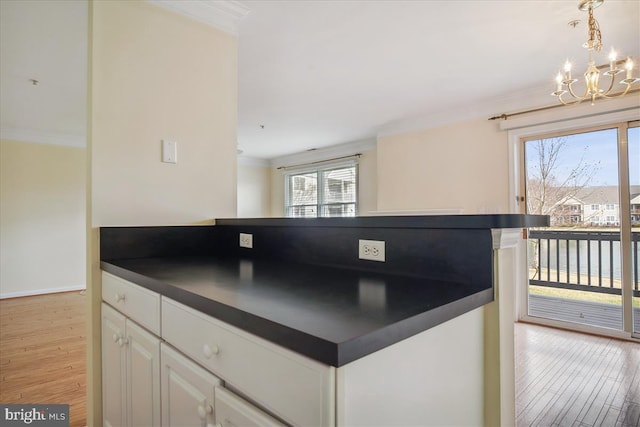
319,73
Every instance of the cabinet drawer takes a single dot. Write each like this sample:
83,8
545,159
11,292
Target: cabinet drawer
297,389
135,302
232,411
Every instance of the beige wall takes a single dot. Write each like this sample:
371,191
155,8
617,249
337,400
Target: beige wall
461,166
367,186
42,218
254,191
155,75
158,75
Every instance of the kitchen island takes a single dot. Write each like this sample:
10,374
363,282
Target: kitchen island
302,289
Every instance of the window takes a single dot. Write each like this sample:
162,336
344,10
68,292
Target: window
595,207
330,191
610,207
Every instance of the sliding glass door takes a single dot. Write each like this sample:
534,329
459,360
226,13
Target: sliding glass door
633,141
583,267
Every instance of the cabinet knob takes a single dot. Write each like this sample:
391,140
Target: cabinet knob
210,351
115,338
204,410
122,341
120,297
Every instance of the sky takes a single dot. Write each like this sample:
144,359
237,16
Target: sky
600,150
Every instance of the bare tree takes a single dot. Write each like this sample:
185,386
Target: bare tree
553,187
549,185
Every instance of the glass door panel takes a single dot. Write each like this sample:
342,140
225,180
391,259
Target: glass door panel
575,264
633,138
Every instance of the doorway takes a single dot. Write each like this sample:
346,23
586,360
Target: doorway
583,269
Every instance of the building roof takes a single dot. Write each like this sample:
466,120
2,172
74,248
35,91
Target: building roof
603,195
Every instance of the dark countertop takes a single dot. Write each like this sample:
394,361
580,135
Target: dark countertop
459,222
303,286
332,315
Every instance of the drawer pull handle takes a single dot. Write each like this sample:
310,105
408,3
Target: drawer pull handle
210,351
204,410
120,297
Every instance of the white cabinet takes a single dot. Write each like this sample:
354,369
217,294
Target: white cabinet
113,368
135,302
294,388
130,372
199,371
187,391
232,411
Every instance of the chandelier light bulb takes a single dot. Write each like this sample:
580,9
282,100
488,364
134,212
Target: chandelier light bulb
567,70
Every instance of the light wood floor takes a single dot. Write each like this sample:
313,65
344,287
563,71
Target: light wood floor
571,379
42,351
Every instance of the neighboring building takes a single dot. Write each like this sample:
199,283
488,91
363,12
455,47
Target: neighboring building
635,208
595,206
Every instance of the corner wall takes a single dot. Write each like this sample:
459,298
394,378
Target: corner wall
42,218
154,75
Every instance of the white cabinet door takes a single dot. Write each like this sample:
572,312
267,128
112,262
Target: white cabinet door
232,411
113,368
143,376
187,391
130,372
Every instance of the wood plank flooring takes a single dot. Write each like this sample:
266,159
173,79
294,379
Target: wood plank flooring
43,351
571,379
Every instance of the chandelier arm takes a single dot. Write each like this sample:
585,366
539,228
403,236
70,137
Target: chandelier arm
577,100
617,95
581,98
611,80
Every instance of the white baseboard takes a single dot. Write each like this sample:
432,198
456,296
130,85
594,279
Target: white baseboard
41,291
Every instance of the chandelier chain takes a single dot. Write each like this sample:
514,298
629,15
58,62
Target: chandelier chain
595,36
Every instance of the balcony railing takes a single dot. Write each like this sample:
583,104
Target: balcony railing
581,260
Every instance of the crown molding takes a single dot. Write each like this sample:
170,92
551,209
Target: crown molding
44,137
325,153
224,15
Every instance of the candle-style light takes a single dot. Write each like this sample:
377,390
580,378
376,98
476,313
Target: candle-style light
564,80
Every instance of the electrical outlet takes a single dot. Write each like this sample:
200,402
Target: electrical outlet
372,250
246,240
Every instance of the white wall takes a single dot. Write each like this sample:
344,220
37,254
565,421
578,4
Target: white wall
42,218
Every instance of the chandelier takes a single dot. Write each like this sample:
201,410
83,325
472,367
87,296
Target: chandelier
564,80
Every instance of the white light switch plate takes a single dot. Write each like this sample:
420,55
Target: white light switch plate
169,151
